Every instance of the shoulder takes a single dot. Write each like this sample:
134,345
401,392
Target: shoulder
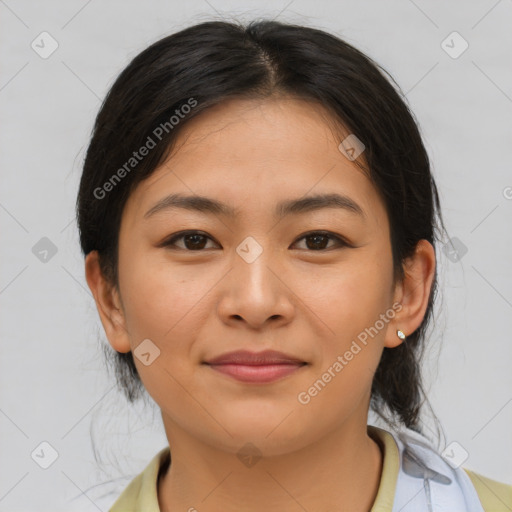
495,496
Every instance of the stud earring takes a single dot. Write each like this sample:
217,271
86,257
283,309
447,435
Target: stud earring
400,334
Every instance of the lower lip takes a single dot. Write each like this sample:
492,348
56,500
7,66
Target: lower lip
253,373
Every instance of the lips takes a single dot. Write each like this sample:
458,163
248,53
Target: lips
256,367
244,357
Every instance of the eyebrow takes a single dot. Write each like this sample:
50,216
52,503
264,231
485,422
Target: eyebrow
211,206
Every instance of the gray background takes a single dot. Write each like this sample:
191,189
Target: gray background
53,384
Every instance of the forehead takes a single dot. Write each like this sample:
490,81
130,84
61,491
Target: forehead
252,154
269,130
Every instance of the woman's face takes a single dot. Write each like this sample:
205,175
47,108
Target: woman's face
254,281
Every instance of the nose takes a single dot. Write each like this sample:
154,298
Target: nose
255,291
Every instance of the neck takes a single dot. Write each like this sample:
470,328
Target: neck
341,471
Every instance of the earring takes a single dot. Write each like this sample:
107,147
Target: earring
400,334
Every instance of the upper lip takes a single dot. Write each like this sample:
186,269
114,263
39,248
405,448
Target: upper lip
255,358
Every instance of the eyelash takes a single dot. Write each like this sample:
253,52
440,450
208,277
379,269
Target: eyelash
170,242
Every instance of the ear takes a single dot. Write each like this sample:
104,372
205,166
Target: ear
108,303
413,293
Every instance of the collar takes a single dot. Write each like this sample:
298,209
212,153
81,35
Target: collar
426,481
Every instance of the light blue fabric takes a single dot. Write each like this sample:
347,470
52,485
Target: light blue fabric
426,482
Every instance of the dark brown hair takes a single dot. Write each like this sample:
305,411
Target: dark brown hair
214,61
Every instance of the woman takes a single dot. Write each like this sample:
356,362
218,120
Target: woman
259,218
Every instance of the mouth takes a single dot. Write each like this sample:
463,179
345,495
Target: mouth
260,367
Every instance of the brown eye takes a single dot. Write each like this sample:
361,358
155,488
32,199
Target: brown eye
318,240
192,241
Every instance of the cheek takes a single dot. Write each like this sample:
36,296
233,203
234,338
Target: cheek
353,296
167,306
160,299
355,306
349,358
